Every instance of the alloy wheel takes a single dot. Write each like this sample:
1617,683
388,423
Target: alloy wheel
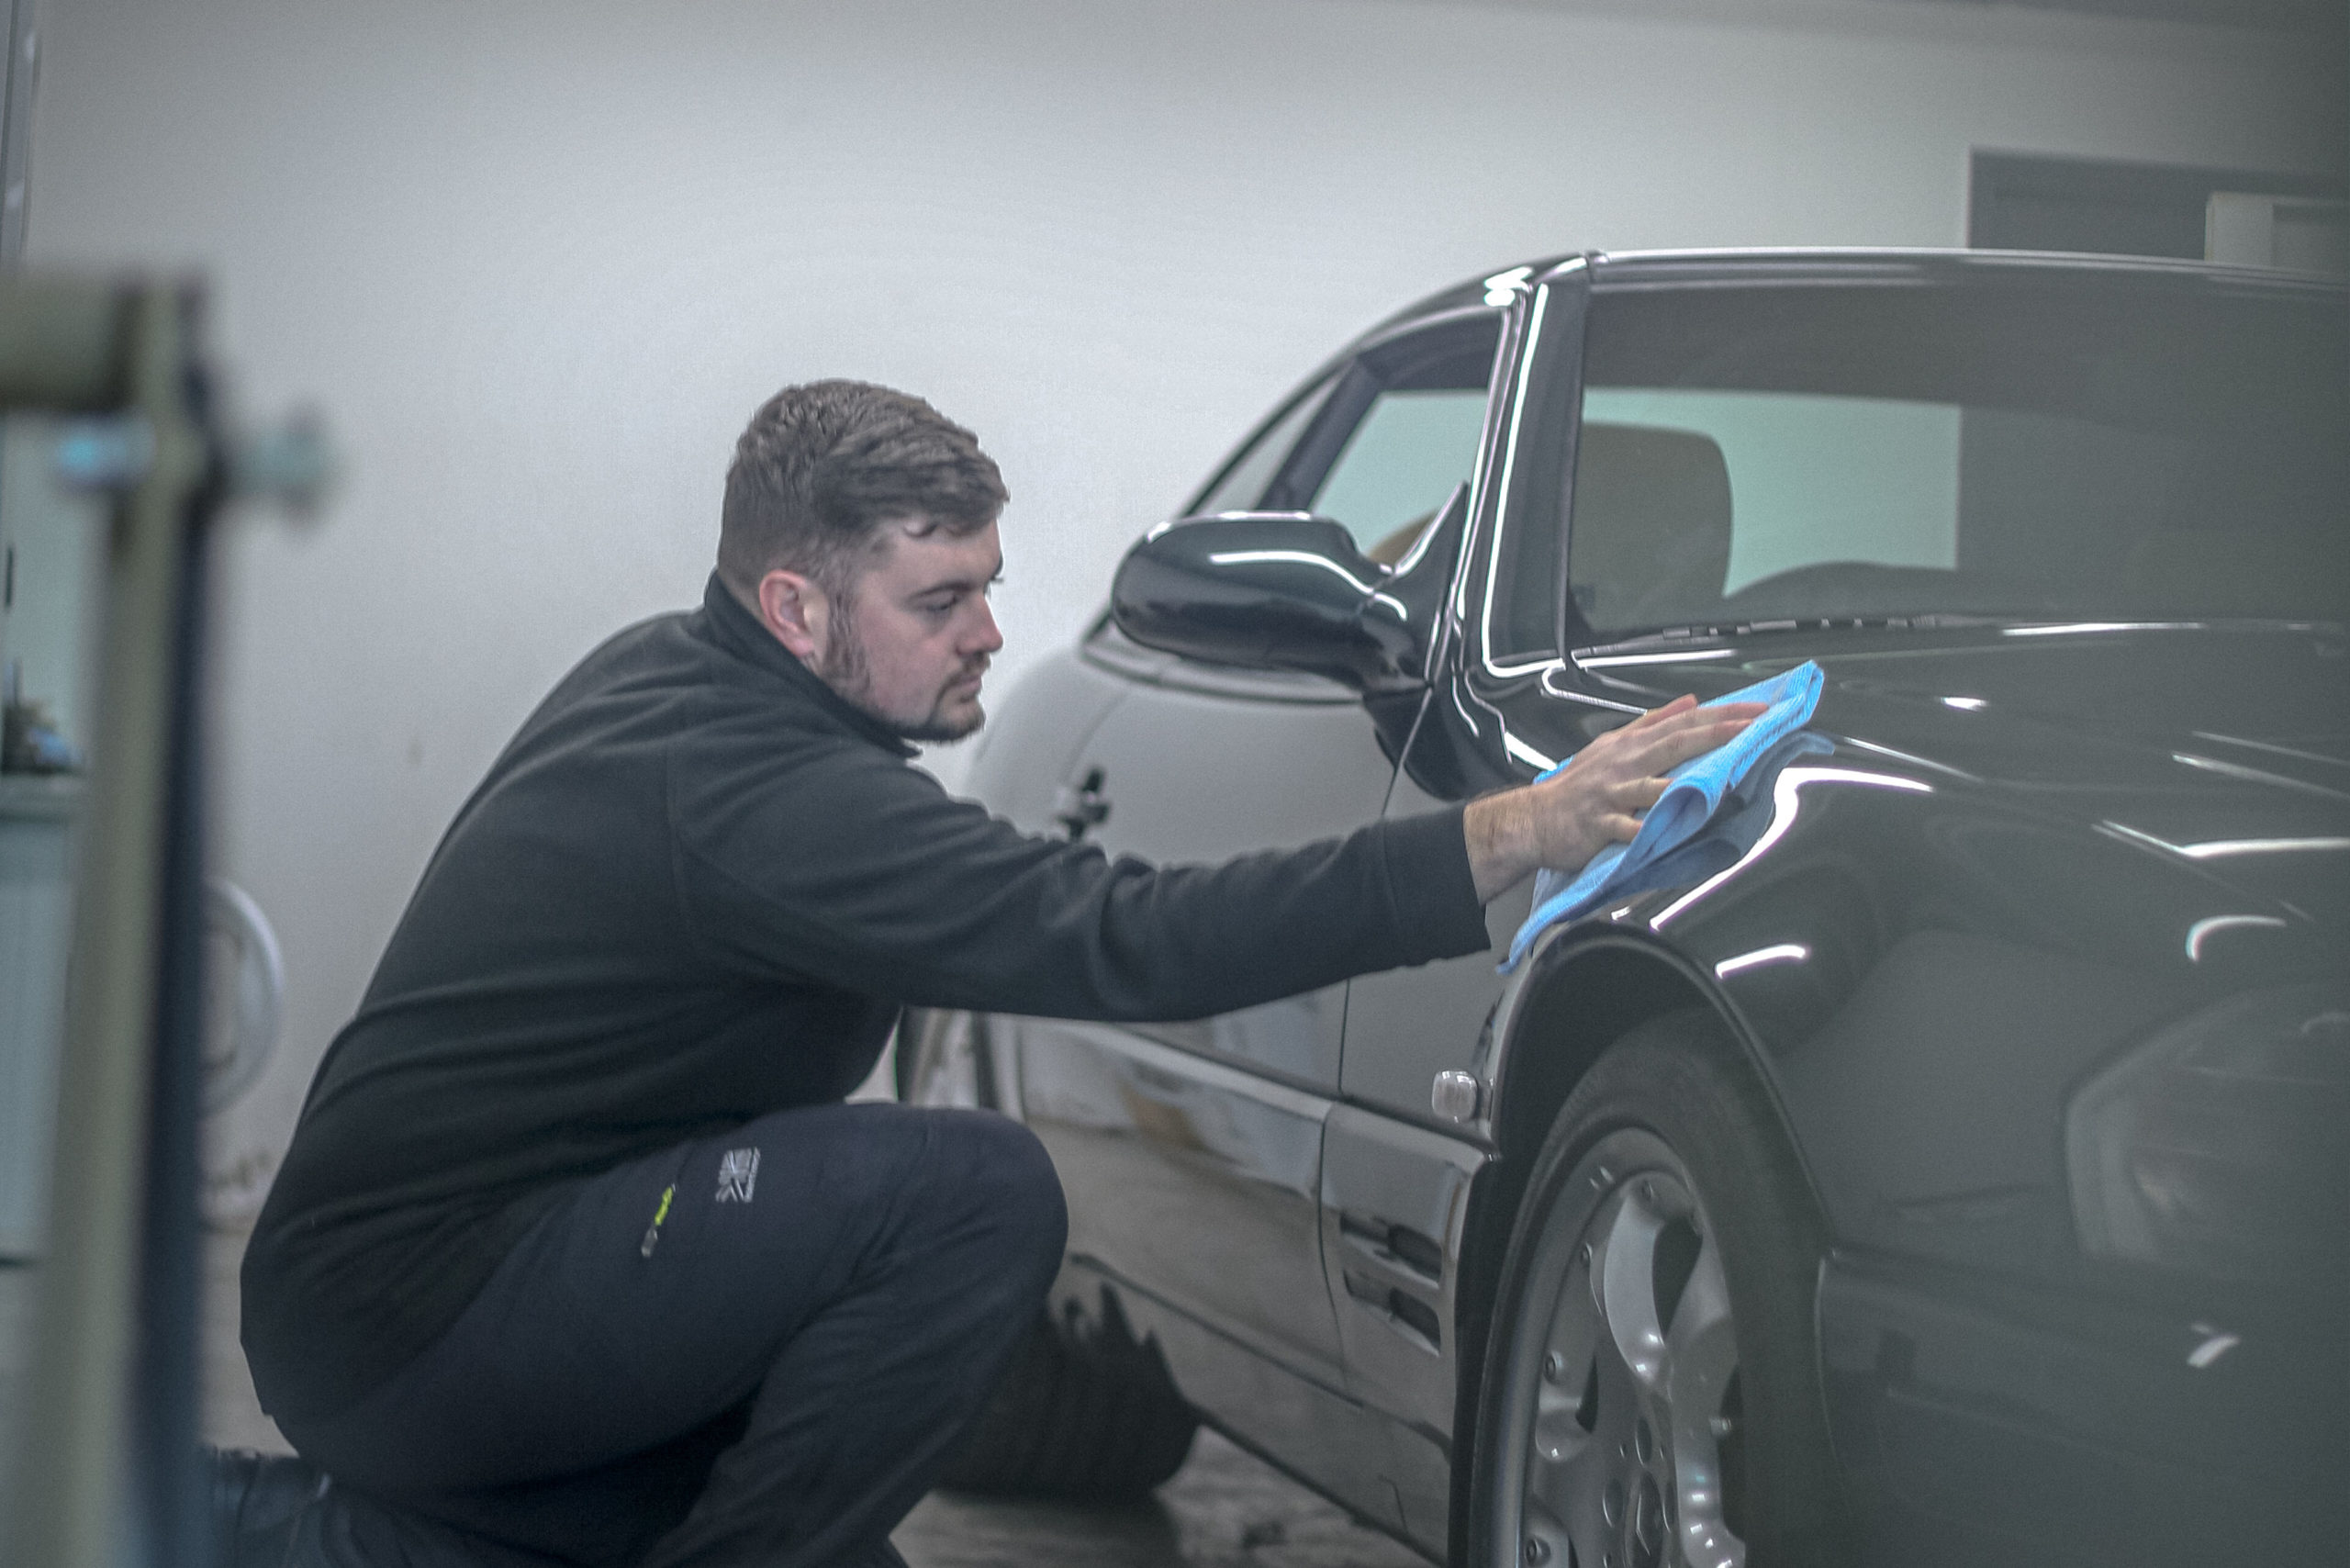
1629,1450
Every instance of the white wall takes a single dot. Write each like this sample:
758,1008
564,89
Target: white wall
538,261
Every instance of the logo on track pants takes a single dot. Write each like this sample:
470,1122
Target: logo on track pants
738,1171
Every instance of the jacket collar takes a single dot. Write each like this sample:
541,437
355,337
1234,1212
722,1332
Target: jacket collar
725,622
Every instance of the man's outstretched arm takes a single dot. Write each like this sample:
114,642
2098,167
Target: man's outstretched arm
1562,822
843,862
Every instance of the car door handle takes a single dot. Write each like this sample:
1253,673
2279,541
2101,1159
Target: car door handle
1082,807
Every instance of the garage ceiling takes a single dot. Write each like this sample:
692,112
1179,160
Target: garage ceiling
2326,16
2325,19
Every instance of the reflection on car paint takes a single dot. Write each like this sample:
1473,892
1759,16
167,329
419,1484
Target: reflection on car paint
1785,805
1777,953
2212,925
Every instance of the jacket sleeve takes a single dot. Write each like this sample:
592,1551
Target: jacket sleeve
842,864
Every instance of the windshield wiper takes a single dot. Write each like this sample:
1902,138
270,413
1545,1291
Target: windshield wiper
1925,621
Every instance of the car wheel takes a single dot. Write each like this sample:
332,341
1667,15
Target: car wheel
1084,1412
1652,1394
1084,1415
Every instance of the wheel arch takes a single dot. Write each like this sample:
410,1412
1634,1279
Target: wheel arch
1580,993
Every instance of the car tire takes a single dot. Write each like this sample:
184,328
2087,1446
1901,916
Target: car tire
1084,1418
1084,1412
1651,1394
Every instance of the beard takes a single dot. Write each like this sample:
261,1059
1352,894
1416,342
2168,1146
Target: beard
849,672
935,727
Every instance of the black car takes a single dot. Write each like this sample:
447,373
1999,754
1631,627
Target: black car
1952,1173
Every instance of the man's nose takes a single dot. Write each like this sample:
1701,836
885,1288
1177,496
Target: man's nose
985,638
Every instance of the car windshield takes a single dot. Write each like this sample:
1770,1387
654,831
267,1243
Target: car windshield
2122,449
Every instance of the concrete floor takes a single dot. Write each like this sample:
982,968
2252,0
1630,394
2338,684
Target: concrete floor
1223,1509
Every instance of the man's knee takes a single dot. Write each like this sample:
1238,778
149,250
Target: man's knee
997,1175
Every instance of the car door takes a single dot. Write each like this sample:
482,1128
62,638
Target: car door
1191,1152
1396,1177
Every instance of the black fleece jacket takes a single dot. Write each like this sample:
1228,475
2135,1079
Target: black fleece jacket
695,888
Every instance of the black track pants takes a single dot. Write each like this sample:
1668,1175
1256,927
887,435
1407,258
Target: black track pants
755,1348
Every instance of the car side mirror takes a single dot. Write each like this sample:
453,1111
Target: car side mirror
1286,590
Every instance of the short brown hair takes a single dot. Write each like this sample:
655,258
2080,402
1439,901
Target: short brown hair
821,466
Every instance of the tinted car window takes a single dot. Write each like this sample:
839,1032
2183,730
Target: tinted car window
1399,433
1408,453
1241,487
2110,452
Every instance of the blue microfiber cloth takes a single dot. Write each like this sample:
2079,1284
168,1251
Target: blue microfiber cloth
1662,854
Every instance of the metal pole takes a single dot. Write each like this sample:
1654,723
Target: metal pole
73,1503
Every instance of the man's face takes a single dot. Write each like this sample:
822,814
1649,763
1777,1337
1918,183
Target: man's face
914,636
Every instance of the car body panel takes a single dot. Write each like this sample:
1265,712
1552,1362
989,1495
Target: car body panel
1986,1422
1928,990
1025,753
1213,1127
1395,1217
1297,770
1204,1158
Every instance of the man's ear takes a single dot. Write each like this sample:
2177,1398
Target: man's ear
795,611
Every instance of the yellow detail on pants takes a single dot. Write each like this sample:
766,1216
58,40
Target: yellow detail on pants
653,1231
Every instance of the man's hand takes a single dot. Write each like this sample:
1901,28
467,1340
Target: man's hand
1562,822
